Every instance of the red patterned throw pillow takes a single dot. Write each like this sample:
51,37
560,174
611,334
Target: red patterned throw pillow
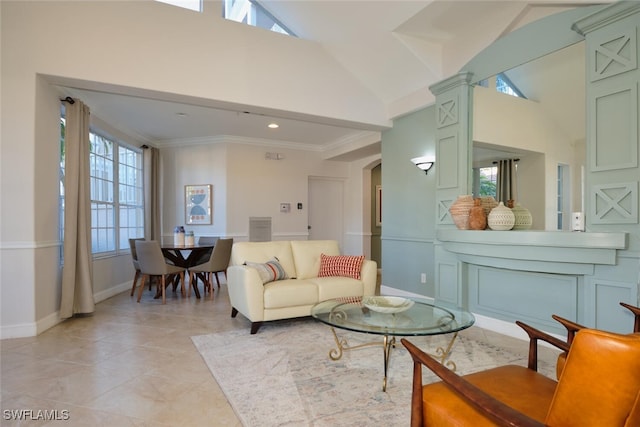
340,265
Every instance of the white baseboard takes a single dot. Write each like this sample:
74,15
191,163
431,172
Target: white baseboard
108,293
18,331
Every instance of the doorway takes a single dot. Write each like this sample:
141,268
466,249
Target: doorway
326,209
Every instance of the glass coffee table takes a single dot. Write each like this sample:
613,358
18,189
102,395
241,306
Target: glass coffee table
391,317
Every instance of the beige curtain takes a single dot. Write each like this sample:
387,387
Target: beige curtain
507,181
152,227
77,272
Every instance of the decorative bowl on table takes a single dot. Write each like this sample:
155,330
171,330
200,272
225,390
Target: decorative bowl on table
387,305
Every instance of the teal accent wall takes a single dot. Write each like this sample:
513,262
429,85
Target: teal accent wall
408,212
482,271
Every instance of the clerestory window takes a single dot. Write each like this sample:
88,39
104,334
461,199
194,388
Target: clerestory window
195,5
251,12
503,85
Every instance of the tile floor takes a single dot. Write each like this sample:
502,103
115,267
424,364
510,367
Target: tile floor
132,364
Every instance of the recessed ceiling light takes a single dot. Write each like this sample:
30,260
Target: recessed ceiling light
273,126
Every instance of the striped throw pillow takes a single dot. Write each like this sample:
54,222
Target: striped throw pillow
340,265
270,271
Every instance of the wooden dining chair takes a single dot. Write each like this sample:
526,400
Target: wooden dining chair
136,264
152,263
217,263
599,386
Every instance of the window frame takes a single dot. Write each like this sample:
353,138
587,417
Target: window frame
115,194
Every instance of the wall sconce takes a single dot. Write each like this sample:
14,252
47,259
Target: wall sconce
425,163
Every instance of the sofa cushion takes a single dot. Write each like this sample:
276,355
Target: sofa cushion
269,271
263,252
306,255
337,287
289,293
340,265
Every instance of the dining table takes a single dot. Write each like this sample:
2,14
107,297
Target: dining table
186,256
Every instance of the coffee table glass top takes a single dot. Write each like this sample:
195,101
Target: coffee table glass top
421,318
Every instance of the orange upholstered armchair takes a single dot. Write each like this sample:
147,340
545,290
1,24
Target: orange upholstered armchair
573,327
599,386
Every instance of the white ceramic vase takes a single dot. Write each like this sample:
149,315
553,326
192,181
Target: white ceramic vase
523,217
501,218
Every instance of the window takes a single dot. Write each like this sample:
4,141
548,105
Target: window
195,5
117,206
117,203
252,13
563,204
61,186
503,85
485,180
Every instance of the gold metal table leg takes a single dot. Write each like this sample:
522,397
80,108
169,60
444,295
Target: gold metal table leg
442,354
342,345
387,345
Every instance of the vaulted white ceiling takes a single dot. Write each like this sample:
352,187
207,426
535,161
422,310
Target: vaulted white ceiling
397,49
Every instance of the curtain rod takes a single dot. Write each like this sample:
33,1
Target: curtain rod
69,99
515,160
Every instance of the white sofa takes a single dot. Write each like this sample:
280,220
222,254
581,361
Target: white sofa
292,297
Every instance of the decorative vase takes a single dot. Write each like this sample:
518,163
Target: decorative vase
477,216
523,218
501,218
488,203
459,211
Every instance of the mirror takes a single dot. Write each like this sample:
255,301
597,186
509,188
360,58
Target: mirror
546,131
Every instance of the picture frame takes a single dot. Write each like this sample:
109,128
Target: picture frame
198,204
378,205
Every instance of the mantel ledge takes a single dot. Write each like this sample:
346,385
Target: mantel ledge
559,239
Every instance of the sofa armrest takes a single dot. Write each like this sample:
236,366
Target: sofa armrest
369,276
246,291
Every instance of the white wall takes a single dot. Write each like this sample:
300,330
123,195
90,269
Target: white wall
139,48
522,124
246,184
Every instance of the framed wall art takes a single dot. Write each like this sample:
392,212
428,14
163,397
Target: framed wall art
198,209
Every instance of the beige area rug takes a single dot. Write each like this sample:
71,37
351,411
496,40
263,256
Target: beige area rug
283,376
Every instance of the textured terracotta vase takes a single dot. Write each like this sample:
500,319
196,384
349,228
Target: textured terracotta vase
501,218
488,203
477,216
523,218
459,211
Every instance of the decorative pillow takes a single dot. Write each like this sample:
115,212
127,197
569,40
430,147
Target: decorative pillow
269,271
340,265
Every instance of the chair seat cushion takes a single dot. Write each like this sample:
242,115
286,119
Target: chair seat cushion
523,389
